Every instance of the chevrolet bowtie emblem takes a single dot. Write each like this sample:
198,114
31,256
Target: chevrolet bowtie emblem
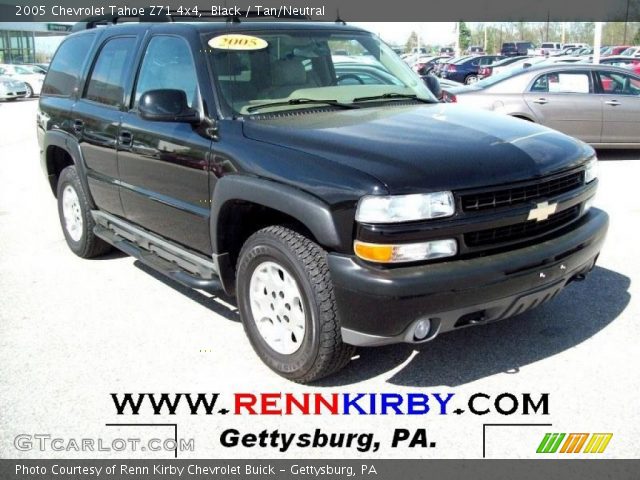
542,211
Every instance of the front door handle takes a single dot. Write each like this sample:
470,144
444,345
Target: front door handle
125,139
613,103
541,101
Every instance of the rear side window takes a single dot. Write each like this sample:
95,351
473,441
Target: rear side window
64,72
563,82
106,82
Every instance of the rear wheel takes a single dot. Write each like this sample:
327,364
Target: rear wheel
287,305
75,217
470,79
29,91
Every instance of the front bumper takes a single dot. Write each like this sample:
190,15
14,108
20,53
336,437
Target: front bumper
13,93
379,306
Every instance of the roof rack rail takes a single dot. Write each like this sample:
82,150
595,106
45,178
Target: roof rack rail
174,16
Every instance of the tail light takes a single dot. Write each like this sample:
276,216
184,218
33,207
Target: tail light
448,97
451,68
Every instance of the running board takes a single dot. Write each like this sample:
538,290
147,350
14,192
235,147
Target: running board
177,263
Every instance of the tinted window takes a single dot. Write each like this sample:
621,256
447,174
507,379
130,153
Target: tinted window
106,83
168,64
563,82
65,68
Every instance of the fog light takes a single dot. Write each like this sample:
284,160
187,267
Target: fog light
408,252
422,329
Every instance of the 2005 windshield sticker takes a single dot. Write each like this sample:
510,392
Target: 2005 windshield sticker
237,42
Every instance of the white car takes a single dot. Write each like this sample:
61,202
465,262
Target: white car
12,89
522,63
549,48
24,73
563,59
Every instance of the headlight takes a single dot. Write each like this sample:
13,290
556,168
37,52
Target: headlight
407,252
405,208
591,170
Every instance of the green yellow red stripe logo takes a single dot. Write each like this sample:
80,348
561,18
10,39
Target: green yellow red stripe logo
574,443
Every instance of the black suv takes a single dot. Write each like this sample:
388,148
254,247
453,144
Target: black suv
340,212
516,49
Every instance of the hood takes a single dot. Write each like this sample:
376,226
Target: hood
416,148
461,89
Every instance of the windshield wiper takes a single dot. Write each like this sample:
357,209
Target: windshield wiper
392,96
302,101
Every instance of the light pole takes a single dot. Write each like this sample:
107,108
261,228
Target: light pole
597,42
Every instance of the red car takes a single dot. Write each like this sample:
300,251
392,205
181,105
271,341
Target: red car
632,63
617,50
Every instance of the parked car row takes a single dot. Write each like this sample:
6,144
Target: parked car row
599,104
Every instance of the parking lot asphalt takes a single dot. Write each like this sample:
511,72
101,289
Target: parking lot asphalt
73,331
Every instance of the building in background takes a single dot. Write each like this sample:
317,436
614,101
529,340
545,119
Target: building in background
30,42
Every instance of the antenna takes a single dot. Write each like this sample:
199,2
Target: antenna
338,19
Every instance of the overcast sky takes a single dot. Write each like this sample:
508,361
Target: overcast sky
440,33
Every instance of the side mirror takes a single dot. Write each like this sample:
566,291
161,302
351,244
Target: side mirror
167,105
433,84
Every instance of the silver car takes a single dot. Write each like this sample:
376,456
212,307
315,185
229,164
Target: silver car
24,73
599,104
11,89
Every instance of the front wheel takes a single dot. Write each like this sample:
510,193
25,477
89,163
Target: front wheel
29,91
287,305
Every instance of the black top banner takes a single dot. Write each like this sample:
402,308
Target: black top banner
329,10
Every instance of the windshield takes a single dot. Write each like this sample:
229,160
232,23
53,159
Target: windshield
261,71
24,70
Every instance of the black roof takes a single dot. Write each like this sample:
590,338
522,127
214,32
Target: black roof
214,25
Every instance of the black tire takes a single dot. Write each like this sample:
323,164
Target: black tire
88,245
29,91
322,351
470,79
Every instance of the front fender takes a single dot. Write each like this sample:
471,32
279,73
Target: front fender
331,227
309,210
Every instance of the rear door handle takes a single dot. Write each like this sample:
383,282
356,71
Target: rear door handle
125,139
78,126
613,103
541,101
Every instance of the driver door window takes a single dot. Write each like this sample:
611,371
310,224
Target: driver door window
168,64
615,83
